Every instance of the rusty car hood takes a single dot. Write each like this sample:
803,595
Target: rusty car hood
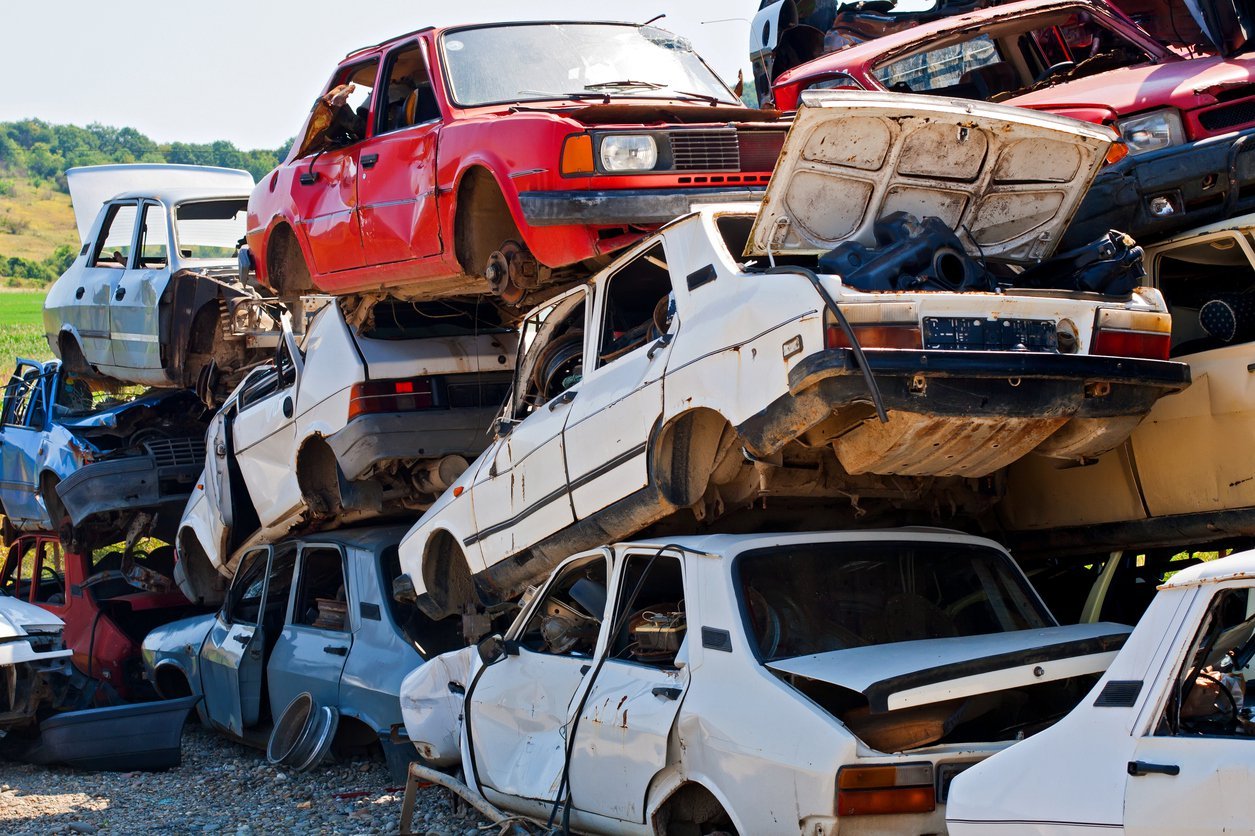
1007,180
914,673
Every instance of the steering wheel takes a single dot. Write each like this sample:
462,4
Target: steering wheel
1062,66
1215,723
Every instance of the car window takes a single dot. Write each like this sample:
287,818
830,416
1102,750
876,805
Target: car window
552,352
1208,286
650,607
262,384
77,396
407,98
947,70
567,621
50,579
244,601
819,597
19,396
210,228
337,127
19,568
638,305
113,247
322,598
1208,697
154,238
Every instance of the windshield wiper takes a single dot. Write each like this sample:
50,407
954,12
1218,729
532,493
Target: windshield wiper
626,84
702,97
552,94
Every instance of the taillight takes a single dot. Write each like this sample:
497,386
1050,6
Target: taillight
408,395
876,325
1120,333
879,790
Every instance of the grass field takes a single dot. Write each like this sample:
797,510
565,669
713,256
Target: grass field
35,220
22,327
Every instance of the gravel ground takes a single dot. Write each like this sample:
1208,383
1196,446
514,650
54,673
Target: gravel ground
221,787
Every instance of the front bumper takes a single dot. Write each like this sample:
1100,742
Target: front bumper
624,206
963,413
161,479
393,436
1205,181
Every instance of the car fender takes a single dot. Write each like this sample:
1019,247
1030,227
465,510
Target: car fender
488,161
55,328
674,776
261,248
197,522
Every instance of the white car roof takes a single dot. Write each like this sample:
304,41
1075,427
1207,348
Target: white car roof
1234,567
723,544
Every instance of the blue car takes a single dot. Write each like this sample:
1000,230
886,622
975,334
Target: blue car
311,614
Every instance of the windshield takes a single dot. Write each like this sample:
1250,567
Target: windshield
78,397
488,65
210,228
819,597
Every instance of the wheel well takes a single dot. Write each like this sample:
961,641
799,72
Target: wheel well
48,482
204,327
447,575
689,451
286,270
483,221
692,809
353,737
171,682
197,578
317,475
72,356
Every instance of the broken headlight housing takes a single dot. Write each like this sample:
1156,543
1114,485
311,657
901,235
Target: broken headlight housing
1152,131
628,152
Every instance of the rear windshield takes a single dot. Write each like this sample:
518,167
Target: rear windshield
210,228
815,598
399,320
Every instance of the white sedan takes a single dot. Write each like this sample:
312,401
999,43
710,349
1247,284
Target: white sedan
687,382
363,422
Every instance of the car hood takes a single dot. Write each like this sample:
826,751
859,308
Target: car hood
91,186
18,618
1185,85
908,674
110,417
647,113
1008,180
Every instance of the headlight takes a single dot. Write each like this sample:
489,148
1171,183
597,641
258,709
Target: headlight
1152,131
628,152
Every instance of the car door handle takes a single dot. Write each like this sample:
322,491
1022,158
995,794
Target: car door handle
336,650
369,160
663,342
287,407
565,398
308,178
666,693
1144,768
119,294
78,294
242,639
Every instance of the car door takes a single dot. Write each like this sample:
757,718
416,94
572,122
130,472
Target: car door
523,497
23,418
620,398
264,436
324,190
134,305
109,257
1196,780
520,706
312,649
396,187
233,657
620,741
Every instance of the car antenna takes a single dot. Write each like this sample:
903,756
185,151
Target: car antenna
655,17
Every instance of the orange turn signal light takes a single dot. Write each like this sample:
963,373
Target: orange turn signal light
577,155
1118,151
458,491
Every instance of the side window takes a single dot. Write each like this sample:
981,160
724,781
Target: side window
244,600
567,621
552,352
1209,693
19,396
50,584
113,247
322,598
261,385
154,238
286,365
19,569
654,621
973,69
639,305
1209,286
408,98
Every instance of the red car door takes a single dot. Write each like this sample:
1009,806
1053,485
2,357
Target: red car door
396,186
325,186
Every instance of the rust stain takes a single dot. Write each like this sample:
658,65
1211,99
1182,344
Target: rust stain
622,700
624,725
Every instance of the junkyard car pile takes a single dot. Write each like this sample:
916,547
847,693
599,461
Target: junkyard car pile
627,402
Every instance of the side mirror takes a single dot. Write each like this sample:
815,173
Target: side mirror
492,649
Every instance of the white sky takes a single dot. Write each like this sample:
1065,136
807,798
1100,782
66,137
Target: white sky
248,70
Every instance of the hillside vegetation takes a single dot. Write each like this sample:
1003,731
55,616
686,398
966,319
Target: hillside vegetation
38,238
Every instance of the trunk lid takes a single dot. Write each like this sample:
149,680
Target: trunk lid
1007,180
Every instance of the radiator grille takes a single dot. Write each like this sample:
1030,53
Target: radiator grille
705,150
760,149
176,452
1228,116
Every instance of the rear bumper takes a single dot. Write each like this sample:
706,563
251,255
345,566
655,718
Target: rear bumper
391,436
624,206
1206,181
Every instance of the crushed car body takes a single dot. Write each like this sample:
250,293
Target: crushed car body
91,458
1161,742
683,377
155,296
310,615
869,668
1186,120
33,662
360,422
500,158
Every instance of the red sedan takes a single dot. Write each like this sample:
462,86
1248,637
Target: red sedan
500,158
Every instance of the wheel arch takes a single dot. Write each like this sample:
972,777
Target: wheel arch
277,264
687,451
447,578
673,788
480,189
